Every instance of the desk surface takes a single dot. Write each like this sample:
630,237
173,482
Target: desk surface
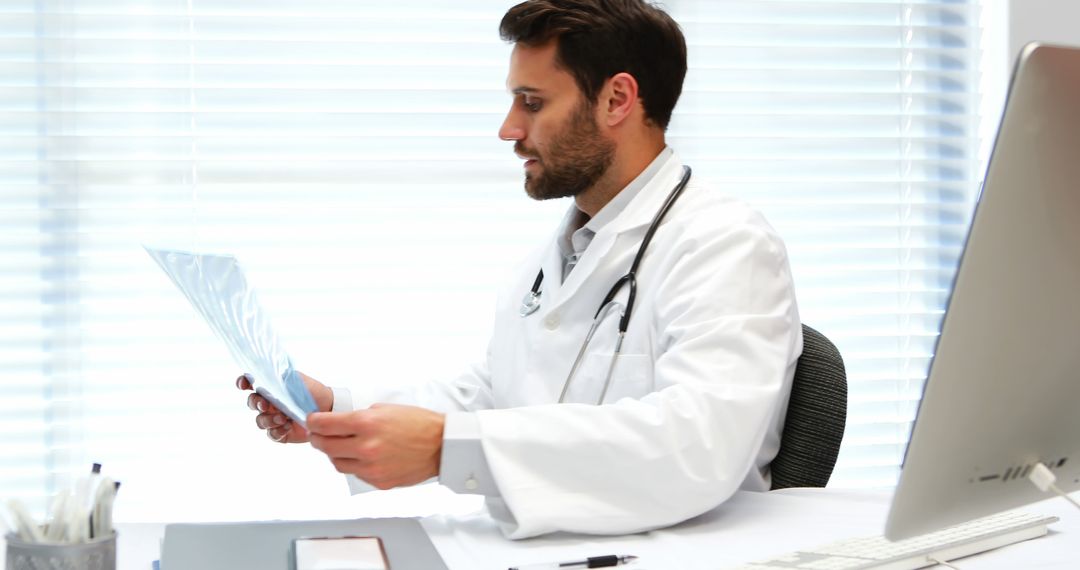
751,526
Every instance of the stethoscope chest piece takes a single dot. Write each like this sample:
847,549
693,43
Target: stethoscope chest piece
530,303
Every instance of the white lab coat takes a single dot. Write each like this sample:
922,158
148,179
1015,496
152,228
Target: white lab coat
696,404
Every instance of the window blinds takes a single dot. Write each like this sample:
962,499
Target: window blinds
346,153
854,127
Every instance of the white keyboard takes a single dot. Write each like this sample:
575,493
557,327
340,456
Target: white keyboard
921,551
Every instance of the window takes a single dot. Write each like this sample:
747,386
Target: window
346,153
855,127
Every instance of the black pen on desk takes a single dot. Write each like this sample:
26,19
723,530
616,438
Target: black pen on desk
591,562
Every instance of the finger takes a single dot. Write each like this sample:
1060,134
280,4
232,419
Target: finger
339,447
257,402
288,433
271,420
372,474
278,434
338,424
243,383
349,466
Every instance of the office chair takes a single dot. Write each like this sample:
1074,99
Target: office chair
816,415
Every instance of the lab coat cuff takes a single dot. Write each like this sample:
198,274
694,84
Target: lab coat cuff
463,467
342,400
358,485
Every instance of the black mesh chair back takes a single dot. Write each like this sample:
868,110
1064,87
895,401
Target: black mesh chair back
816,416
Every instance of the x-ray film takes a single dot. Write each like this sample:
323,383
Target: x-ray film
217,288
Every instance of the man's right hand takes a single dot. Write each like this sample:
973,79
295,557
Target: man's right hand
278,426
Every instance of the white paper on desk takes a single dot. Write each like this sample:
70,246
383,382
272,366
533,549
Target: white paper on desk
217,288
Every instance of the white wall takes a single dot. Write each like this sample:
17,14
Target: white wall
1007,26
1053,21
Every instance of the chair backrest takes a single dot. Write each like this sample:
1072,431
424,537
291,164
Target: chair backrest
816,415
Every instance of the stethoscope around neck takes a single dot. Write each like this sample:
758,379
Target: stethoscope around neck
531,303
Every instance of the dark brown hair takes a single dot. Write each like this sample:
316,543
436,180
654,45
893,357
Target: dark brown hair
600,38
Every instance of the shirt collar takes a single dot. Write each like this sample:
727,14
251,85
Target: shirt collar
618,203
578,230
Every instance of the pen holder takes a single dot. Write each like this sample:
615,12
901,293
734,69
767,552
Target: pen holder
98,554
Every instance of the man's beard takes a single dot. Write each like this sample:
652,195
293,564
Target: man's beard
575,160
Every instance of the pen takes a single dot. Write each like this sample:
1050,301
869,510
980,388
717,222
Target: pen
101,519
591,562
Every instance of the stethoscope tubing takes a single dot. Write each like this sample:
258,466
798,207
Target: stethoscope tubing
532,300
631,276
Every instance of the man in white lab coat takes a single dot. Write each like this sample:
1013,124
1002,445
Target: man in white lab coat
695,402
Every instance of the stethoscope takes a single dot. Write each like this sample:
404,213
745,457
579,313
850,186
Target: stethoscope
531,302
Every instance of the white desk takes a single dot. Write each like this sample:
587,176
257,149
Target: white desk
750,527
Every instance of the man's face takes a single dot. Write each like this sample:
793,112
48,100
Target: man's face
553,126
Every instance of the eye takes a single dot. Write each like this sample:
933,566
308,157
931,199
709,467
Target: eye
532,104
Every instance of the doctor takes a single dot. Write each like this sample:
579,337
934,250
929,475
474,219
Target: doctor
562,434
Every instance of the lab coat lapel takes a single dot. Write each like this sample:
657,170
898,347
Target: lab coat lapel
552,266
637,215
552,261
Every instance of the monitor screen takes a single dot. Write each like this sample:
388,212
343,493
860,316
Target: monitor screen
1003,389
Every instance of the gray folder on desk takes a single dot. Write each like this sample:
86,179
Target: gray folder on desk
265,545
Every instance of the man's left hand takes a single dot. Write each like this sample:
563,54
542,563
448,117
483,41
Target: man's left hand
386,445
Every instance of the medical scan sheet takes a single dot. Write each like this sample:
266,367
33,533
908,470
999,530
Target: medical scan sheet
215,285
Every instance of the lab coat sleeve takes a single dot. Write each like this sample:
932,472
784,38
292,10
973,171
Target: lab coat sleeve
468,392
728,334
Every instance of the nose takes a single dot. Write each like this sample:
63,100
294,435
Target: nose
512,128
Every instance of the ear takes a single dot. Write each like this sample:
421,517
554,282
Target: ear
618,98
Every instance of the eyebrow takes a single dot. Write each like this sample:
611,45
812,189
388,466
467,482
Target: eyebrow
525,90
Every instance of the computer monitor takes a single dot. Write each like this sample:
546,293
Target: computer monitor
1003,392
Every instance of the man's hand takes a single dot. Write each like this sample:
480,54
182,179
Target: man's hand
278,426
387,445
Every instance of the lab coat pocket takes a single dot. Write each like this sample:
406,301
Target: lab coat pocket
632,377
